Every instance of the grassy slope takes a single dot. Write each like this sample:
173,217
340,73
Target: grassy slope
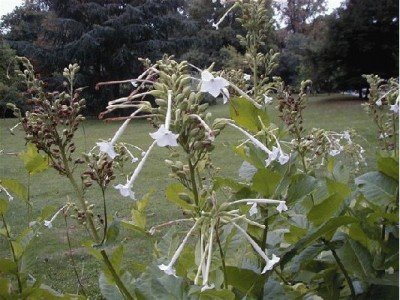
329,112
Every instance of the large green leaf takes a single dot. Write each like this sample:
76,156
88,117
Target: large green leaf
326,230
7,266
174,194
245,114
109,289
329,207
378,188
246,281
357,259
217,294
33,161
388,165
301,186
265,182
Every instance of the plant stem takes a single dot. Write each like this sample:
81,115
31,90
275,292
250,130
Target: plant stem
342,268
194,186
15,259
81,287
221,252
114,273
105,215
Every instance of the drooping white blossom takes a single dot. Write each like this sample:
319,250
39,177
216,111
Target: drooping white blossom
267,100
395,107
10,197
253,209
168,269
269,263
49,223
282,207
126,189
246,77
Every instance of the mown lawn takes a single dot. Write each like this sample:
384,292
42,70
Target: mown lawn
52,256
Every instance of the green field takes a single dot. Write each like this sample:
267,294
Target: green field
335,112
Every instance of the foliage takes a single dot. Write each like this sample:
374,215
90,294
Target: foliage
295,227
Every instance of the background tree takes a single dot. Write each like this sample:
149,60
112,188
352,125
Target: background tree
362,38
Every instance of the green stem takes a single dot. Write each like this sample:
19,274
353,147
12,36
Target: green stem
105,215
81,287
15,259
194,185
342,268
221,252
115,275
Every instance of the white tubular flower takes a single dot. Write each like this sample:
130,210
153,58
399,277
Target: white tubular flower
269,263
346,135
212,85
49,223
207,271
10,197
379,102
168,269
256,142
246,77
163,136
210,134
126,189
216,25
283,157
108,147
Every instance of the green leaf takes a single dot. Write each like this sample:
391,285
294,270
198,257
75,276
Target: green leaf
301,186
245,114
3,206
139,218
246,281
326,230
327,208
16,188
377,188
305,256
388,165
265,182
217,294
7,266
172,193
108,289
112,233
357,259
33,161
5,288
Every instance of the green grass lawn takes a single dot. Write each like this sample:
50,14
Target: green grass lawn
335,112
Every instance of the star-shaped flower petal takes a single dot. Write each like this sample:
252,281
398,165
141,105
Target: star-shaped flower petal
48,224
125,190
267,99
246,77
334,152
253,209
282,207
167,269
270,263
164,137
395,107
212,85
225,95
283,158
272,155
108,148
207,287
